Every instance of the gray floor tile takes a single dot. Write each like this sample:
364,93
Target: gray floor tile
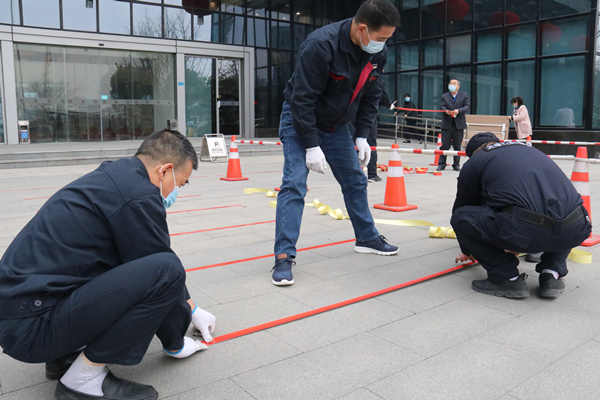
476,369
330,371
574,377
433,331
221,390
40,391
360,394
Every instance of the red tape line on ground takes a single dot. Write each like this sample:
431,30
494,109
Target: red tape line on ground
36,198
203,209
320,310
265,256
224,227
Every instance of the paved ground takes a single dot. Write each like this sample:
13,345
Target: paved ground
434,340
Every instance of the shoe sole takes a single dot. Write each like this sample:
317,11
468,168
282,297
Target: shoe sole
551,293
510,294
368,250
55,375
283,282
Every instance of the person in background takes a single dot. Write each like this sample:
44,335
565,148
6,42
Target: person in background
410,121
521,118
455,104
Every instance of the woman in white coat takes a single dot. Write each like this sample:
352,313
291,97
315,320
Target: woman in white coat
521,118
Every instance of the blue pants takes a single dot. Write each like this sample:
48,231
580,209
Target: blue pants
486,233
340,153
115,315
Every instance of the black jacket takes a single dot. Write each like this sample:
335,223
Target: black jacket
409,104
327,72
462,104
513,174
102,220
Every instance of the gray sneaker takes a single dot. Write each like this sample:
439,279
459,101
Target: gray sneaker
551,287
516,289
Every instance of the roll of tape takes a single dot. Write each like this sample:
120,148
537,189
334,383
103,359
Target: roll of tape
580,256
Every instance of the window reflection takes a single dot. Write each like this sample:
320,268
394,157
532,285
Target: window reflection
409,29
177,24
409,57
257,8
432,82
81,94
559,107
147,20
522,10
520,81
232,6
115,16
458,50
489,46
280,9
77,16
200,91
233,29
433,52
549,9
521,42
488,80
9,12
303,11
258,32
41,13
566,36
409,83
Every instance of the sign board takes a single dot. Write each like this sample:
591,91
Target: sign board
213,148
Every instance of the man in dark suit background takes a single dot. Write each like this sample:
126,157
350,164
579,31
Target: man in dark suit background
456,104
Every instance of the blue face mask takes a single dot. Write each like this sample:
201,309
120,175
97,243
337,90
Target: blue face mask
407,99
515,106
170,199
373,46
452,88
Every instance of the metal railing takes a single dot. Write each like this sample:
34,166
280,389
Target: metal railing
428,125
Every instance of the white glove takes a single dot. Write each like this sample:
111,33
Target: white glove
364,151
315,160
204,322
393,105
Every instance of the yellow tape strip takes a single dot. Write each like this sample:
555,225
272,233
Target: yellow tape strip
337,214
580,256
268,192
434,231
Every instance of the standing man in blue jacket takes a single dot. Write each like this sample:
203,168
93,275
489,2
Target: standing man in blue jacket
455,104
335,78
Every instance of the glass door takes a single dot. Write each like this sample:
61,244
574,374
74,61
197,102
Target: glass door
212,96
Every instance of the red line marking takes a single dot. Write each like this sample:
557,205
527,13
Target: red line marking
191,195
18,190
224,227
203,209
264,172
36,198
265,256
320,310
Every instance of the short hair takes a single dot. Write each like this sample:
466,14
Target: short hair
168,146
376,14
518,100
454,79
407,95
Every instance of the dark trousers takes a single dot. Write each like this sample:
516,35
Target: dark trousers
486,233
372,141
455,136
410,132
115,316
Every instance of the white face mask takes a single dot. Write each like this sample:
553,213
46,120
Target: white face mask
373,46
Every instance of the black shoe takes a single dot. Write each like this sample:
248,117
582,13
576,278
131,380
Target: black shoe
57,368
456,167
551,287
534,257
374,179
440,168
113,388
512,289
406,141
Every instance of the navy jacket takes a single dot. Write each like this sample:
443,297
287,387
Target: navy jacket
327,72
102,220
462,104
509,174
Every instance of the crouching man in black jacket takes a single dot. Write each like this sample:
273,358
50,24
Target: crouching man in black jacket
92,278
512,199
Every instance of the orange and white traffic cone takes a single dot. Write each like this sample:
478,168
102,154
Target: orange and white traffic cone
581,181
395,192
528,142
234,169
437,156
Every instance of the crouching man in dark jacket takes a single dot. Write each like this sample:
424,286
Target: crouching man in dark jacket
513,199
92,278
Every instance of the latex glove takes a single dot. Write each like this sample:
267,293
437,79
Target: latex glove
204,322
393,105
315,160
463,257
364,151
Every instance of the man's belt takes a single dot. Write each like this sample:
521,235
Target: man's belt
543,220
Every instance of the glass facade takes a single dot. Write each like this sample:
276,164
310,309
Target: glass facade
79,94
497,49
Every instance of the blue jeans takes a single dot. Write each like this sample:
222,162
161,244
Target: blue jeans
340,153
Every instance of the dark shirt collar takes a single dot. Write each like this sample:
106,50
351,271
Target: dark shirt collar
346,44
